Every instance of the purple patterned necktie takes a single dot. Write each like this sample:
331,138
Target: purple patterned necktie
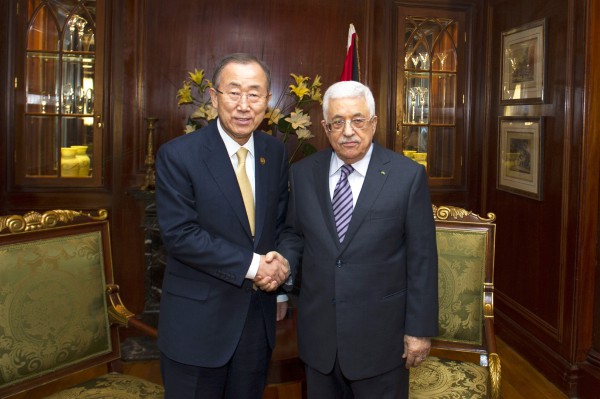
342,202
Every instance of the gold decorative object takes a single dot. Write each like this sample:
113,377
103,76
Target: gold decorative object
37,221
149,162
118,313
495,375
446,212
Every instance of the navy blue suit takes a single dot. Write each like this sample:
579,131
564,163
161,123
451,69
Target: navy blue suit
203,222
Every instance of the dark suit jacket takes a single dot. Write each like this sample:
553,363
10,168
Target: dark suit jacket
358,299
206,233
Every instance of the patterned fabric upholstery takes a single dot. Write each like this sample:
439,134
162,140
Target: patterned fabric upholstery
439,378
114,386
465,243
461,270
53,310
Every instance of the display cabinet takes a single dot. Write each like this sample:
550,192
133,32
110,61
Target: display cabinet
58,92
430,91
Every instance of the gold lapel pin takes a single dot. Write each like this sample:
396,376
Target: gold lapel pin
382,172
262,160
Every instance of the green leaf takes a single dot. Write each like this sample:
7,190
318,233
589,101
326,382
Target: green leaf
308,149
284,126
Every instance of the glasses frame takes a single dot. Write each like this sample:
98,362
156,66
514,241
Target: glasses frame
329,125
228,97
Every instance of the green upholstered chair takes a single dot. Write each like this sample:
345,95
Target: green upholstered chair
463,361
59,308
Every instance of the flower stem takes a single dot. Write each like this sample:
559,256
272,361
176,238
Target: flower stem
296,151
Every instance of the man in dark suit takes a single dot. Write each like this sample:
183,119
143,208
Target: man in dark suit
221,196
360,220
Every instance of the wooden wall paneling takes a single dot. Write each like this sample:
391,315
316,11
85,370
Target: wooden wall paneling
589,313
129,149
6,38
536,260
303,38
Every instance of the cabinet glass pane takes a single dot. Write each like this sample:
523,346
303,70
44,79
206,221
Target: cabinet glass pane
442,153
429,93
42,77
43,32
443,98
41,155
58,134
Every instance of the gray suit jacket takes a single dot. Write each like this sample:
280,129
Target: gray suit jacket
358,299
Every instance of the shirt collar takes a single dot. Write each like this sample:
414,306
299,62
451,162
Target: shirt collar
233,146
360,166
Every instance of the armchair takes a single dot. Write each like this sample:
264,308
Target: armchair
60,309
463,361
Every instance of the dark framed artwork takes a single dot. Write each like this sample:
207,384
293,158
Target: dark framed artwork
523,63
520,156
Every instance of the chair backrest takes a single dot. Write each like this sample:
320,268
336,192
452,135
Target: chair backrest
465,243
55,269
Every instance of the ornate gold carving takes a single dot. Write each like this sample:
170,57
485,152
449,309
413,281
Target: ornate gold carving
445,212
149,161
495,375
37,221
117,311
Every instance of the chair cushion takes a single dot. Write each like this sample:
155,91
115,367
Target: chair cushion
448,379
114,386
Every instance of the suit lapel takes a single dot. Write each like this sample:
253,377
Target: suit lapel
219,165
321,178
374,180
261,175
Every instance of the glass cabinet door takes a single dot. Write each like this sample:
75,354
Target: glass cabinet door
429,121
59,94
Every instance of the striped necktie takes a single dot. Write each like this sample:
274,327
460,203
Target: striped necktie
342,202
245,186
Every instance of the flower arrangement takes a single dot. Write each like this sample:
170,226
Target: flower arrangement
193,93
287,118
290,115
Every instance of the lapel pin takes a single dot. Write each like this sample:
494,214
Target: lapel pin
262,160
382,172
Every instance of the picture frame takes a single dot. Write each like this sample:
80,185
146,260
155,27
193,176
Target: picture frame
520,156
523,63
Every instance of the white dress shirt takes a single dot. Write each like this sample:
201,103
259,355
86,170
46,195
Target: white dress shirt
232,148
355,179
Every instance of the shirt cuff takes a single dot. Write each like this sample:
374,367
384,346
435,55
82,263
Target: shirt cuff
282,298
253,267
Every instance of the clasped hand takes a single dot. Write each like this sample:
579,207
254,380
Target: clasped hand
273,271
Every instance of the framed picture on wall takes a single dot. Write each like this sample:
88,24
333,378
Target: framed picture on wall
523,63
520,156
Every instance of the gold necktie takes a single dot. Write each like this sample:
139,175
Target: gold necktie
245,186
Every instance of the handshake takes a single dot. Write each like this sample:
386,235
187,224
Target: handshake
273,271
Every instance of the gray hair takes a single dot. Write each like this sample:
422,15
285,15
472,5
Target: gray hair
240,58
348,89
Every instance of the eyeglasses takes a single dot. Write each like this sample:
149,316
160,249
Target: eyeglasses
337,125
235,96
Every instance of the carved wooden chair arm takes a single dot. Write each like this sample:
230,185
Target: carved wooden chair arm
122,316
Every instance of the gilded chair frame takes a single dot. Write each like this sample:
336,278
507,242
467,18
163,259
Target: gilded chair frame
480,350
41,230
